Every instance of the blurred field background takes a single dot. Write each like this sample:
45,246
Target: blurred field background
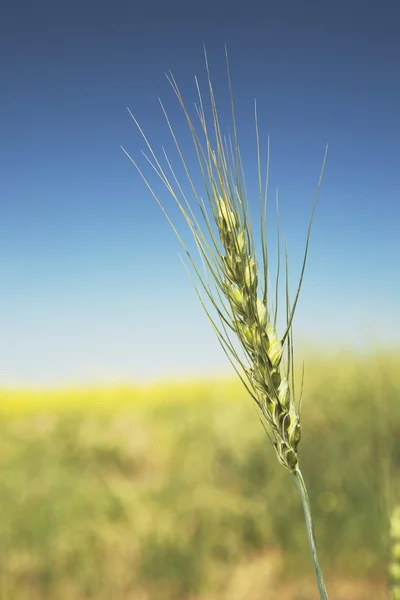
173,491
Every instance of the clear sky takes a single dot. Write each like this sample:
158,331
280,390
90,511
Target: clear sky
91,286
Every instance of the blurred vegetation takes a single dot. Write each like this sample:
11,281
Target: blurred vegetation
161,492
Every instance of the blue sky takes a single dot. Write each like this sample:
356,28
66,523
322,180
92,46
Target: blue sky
92,289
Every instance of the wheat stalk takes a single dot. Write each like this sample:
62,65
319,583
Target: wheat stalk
238,289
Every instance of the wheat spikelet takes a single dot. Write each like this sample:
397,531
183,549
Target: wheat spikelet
394,566
241,295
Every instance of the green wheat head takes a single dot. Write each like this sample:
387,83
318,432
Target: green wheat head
394,566
236,283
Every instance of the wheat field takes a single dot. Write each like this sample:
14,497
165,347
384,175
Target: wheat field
172,490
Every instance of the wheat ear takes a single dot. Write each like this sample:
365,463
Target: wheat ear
394,566
238,289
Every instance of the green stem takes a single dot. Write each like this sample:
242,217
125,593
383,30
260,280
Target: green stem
310,533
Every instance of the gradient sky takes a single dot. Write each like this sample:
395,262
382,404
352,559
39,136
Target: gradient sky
92,289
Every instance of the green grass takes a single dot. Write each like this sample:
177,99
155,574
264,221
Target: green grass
120,497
